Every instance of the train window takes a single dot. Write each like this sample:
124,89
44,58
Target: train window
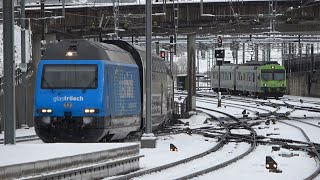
229,75
279,75
266,75
69,76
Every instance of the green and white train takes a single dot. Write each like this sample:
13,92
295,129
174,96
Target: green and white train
256,78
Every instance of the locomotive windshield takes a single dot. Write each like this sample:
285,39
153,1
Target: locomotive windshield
266,75
69,76
278,75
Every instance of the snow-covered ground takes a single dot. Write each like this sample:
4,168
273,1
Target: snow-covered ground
251,167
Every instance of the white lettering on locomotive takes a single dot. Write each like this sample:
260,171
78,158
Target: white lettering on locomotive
67,98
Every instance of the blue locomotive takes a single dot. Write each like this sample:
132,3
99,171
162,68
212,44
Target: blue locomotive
92,91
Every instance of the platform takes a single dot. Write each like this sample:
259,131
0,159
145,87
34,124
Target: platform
34,160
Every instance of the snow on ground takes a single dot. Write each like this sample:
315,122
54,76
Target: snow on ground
22,132
187,146
279,130
224,108
24,153
250,167
253,166
227,152
303,113
308,129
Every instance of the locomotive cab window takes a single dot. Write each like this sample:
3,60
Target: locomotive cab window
266,75
69,76
279,75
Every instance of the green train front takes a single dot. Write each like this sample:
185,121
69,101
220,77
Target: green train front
272,80
85,92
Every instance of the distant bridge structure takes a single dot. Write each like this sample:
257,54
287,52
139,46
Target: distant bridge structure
199,16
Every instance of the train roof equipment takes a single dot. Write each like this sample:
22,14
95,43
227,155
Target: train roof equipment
258,63
86,50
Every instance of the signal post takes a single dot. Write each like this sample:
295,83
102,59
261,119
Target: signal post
219,55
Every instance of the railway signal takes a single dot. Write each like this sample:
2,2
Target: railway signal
219,41
163,54
271,164
173,148
219,53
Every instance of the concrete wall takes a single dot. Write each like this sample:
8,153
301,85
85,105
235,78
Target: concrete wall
304,84
315,85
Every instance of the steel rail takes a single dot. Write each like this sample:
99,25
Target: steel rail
221,142
224,164
314,150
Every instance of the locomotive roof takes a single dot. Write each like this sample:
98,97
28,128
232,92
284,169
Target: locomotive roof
139,54
250,63
86,50
259,63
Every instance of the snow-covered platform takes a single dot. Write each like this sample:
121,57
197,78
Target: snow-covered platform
25,160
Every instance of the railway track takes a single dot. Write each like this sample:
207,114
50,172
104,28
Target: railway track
208,132
252,137
313,149
226,138
282,102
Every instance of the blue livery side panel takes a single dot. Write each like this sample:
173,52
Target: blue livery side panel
124,89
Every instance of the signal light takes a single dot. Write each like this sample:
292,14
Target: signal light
270,163
163,54
219,41
219,53
173,148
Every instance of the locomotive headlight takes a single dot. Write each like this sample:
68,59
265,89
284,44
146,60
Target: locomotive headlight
264,85
282,84
91,111
69,53
45,111
272,67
